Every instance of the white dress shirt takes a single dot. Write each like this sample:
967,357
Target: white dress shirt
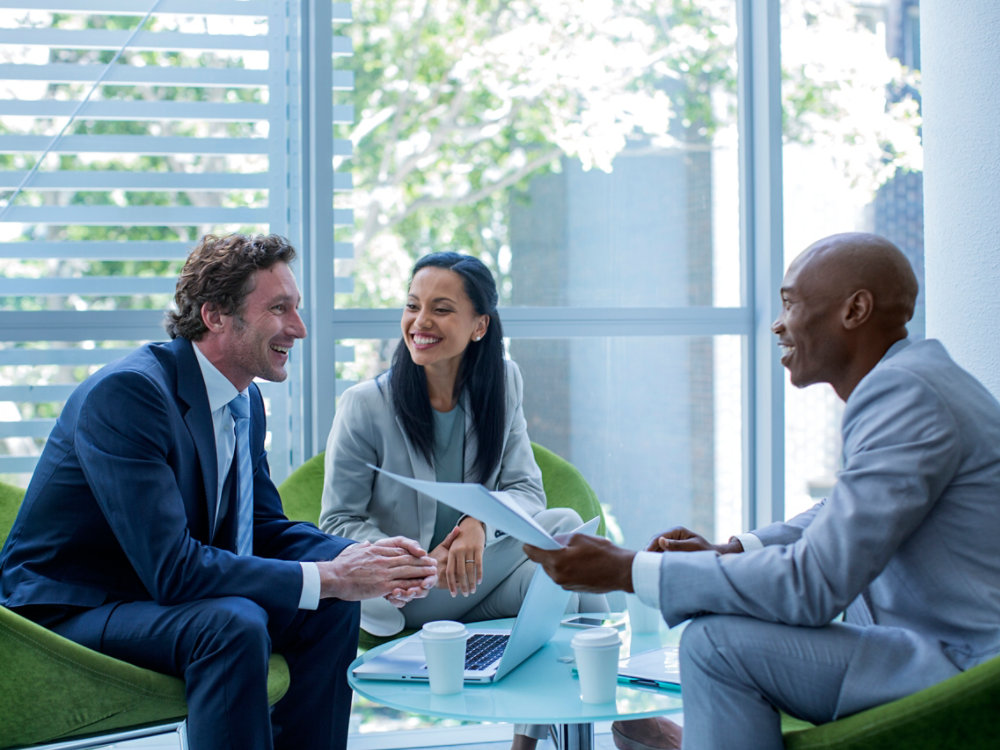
220,392
646,570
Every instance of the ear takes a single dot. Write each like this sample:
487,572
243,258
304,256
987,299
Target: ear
481,325
858,309
211,316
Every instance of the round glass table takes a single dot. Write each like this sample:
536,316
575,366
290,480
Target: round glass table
542,690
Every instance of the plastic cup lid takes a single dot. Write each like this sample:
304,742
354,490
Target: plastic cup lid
443,629
596,638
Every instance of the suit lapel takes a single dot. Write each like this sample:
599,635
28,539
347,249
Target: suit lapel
198,418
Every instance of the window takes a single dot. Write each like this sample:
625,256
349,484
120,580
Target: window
588,153
857,168
635,174
129,130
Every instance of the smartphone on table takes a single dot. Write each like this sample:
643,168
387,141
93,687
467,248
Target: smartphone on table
607,620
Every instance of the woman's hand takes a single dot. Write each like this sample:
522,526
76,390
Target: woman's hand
465,557
440,555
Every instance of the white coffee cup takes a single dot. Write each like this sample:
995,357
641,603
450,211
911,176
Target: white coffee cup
444,649
596,651
641,617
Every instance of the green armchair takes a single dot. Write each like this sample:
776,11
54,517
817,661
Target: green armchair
961,712
564,485
52,689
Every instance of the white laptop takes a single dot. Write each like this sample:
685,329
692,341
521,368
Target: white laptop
489,653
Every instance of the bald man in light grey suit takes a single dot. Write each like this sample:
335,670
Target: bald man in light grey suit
906,541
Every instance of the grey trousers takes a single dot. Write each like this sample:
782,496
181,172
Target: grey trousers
506,575
737,672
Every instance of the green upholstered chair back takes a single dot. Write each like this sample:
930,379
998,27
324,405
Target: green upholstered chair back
10,501
302,492
565,486
54,689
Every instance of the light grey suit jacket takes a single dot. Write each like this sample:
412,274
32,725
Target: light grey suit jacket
912,523
359,503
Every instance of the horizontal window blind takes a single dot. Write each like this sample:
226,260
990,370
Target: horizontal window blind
128,129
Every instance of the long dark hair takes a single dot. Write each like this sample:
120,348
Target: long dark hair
482,372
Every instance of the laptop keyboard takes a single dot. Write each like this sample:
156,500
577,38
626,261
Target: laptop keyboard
482,649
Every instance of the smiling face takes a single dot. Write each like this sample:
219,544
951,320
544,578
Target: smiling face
255,341
439,320
809,330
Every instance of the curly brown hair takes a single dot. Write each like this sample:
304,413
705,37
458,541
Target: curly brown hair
218,270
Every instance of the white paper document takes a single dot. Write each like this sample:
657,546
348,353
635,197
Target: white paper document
488,507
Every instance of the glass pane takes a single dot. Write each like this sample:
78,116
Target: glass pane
586,151
852,161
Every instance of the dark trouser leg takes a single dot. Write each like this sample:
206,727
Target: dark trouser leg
220,647
318,645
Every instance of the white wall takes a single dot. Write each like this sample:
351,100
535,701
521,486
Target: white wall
960,60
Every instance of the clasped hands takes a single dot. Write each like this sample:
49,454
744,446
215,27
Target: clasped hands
396,568
593,564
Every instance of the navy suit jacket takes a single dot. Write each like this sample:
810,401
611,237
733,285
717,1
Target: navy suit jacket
122,502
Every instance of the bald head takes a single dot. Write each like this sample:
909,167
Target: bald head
845,300
841,264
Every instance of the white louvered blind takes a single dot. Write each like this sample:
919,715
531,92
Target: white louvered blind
128,129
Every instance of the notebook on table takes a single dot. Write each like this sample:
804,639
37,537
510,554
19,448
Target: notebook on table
657,668
489,653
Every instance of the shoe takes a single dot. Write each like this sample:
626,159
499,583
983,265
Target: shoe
639,734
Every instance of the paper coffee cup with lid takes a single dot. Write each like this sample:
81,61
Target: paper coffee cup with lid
444,649
596,651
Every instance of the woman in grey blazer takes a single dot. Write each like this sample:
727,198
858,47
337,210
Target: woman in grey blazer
449,409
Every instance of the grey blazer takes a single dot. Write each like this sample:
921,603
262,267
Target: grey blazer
358,503
912,523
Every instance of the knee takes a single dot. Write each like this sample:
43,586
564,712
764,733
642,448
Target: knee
704,640
558,520
334,624
337,615
239,623
695,637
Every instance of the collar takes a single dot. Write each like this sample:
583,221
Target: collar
218,387
896,348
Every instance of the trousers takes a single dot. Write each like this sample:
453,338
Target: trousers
220,648
738,672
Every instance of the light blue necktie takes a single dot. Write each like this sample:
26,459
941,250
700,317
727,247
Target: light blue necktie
239,407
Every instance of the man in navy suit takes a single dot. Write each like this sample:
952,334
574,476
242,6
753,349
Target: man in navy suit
126,541
905,542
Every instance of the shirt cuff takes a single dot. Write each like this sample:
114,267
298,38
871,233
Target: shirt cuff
646,577
310,586
750,542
